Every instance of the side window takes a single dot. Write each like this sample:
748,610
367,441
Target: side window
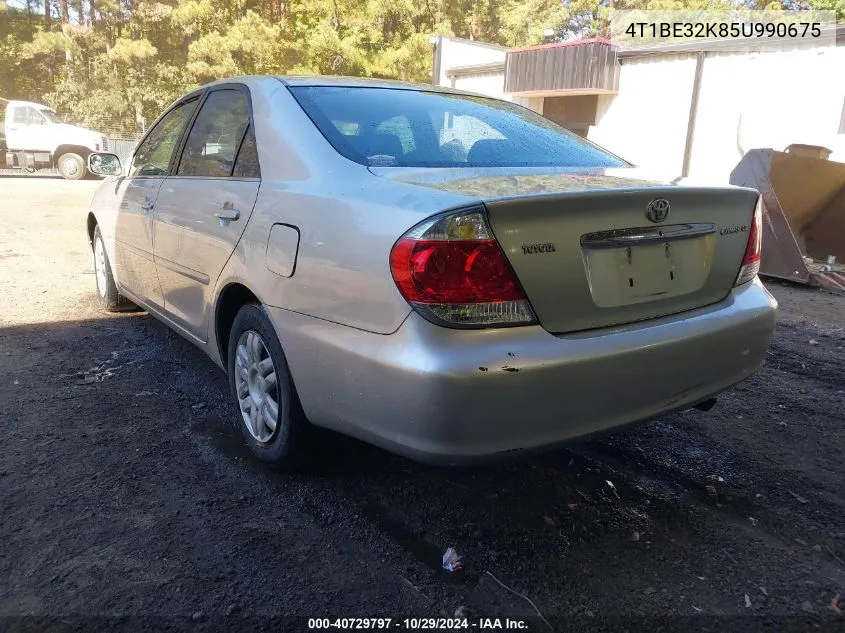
246,166
215,136
26,115
153,155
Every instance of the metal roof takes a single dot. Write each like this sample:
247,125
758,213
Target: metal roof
539,47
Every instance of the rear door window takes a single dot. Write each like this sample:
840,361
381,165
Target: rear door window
215,136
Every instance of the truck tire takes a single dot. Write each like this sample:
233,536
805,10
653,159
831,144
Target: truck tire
72,166
110,299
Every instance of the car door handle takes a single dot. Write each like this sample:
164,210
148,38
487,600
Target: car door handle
147,205
228,214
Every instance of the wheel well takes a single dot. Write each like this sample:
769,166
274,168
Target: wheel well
76,149
92,224
232,299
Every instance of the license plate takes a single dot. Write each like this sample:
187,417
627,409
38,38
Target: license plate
648,272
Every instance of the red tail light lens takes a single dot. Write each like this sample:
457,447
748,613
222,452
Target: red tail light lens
454,273
465,271
753,250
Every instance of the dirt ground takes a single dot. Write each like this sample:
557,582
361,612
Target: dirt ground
124,490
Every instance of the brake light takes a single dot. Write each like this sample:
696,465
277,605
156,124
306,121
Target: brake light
454,273
753,249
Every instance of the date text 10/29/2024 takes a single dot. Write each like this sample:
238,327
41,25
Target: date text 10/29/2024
418,624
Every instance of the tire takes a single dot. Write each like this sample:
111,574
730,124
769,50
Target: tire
110,299
72,166
280,443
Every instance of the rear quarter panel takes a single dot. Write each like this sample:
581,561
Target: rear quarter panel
341,272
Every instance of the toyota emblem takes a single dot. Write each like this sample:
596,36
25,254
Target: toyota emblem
657,210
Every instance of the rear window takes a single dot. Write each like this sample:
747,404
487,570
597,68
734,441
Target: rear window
410,128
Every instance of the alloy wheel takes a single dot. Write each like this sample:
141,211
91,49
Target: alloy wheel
100,266
257,387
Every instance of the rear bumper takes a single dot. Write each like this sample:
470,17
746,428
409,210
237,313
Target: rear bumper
450,396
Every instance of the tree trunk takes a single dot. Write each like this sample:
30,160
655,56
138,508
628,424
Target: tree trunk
46,14
29,14
65,16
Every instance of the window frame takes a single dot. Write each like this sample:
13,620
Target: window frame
196,94
183,140
27,117
250,126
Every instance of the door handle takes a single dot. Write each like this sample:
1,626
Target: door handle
229,214
147,205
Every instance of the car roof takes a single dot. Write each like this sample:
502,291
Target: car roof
355,82
339,81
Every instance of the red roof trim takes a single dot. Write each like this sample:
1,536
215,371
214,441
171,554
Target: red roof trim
595,40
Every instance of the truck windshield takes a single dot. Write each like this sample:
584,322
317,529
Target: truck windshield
413,128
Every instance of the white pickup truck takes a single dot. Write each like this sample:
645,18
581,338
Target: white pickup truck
32,137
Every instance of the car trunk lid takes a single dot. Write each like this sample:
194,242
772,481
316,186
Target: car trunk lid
591,250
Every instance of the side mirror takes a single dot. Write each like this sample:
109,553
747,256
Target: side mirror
104,164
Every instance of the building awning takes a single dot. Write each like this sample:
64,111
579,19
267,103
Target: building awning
563,68
476,69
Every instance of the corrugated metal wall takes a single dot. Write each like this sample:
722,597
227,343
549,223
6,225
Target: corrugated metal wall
585,66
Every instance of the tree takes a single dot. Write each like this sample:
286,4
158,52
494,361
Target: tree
115,64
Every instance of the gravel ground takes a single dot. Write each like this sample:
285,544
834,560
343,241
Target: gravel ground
124,490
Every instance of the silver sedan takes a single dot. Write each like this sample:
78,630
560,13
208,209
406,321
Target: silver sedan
442,274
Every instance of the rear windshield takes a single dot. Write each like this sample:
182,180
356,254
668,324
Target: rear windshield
409,128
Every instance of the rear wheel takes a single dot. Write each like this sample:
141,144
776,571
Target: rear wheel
271,417
107,292
71,166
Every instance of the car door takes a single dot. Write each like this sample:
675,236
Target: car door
137,193
202,209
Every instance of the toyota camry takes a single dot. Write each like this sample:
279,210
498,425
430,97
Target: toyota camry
446,275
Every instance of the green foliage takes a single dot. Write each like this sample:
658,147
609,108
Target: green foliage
115,64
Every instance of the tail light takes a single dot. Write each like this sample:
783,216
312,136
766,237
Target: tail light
751,260
454,273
